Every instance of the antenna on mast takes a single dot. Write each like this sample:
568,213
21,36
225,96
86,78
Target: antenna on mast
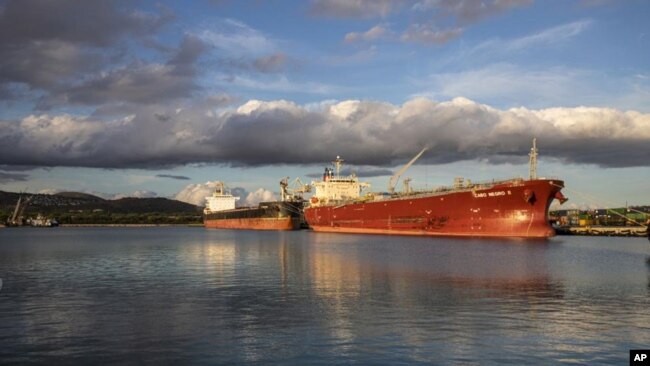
532,164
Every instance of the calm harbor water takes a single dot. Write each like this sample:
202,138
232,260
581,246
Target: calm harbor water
190,295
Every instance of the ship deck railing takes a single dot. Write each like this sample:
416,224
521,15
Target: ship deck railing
481,185
438,191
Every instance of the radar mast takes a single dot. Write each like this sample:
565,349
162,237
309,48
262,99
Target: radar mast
532,165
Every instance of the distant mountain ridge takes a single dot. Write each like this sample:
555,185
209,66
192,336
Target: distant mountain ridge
79,195
83,202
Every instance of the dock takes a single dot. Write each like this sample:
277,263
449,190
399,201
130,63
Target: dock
639,231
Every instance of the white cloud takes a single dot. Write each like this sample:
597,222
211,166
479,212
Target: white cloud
500,48
235,38
136,194
196,193
260,195
551,36
506,84
548,37
362,55
509,84
469,11
364,132
281,84
49,191
429,35
372,34
354,8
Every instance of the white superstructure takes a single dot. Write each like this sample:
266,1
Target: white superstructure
220,201
335,187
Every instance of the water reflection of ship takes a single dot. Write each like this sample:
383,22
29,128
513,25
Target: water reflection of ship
362,291
340,273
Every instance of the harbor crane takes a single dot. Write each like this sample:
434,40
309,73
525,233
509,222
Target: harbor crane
16,218
395,178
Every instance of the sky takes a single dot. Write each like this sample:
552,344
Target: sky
165,98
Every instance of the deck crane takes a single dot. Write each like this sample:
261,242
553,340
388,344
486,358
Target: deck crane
293,191
393,180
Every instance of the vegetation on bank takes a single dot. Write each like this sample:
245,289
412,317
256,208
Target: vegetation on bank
116,218
75,208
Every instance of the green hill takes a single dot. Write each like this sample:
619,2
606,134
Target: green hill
83,208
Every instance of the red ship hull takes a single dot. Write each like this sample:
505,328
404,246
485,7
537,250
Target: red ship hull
285,223
511,209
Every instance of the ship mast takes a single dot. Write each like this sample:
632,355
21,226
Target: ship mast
337,164
532,164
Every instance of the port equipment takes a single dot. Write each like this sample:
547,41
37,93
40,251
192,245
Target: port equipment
293,191
395,178
19,210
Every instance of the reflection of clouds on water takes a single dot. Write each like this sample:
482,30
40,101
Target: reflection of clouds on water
337,281
215,259
512,268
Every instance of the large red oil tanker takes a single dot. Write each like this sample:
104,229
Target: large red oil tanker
220,213
507,208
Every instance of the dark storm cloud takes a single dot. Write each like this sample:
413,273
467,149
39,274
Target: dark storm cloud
362,172
92,23
188,54
45,63
138,82
364,133
178,177
6,177
51,45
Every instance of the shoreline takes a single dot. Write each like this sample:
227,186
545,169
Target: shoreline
130,225
630,232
